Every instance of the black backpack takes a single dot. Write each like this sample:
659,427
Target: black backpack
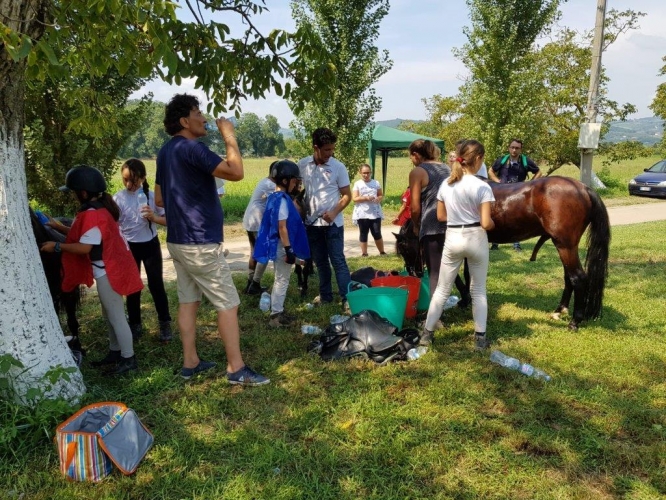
366,335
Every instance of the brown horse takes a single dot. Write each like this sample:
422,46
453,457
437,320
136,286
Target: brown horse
556,208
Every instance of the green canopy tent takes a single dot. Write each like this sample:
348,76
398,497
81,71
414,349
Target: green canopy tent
385,139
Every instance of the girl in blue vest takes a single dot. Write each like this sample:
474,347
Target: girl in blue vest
282,237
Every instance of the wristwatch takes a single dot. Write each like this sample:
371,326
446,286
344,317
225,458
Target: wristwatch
56,248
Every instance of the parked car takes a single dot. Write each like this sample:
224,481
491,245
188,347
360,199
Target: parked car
650,183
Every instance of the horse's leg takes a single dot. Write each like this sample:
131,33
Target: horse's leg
463,287
563,307
538,246
298,270
308,270
576,277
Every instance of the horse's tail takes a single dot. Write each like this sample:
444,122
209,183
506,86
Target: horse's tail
596,262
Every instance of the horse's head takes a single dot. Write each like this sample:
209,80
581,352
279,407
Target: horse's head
407,246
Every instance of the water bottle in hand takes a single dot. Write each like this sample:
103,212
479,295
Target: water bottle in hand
142,201
310,330
265,302
211,127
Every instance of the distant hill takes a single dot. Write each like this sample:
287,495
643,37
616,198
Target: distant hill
646,130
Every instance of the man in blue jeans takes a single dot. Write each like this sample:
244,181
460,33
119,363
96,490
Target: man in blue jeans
327,193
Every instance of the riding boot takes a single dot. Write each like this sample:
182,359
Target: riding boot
125,365
137,330
165,331
254,288
111,358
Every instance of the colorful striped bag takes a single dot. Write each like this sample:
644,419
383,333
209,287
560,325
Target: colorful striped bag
98,436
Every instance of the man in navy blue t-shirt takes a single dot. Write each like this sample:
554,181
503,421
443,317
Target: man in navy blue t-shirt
185,187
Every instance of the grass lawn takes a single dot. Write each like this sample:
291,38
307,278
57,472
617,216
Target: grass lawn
449,425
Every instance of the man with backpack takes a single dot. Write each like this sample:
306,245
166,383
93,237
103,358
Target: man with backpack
513,167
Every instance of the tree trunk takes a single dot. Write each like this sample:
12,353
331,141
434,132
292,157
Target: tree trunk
29,328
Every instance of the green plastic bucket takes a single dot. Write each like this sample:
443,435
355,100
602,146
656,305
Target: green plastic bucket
411,283
424,292
388,302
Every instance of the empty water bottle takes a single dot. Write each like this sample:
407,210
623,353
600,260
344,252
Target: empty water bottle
309,306
265,301
513,364
310,330
503,360
451,302
530,371
416,352
338,318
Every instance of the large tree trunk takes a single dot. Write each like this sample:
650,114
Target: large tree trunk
29,328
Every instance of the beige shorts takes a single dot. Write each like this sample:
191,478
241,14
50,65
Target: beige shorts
202,269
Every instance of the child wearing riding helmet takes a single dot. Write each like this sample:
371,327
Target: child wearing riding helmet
463,201
139,227
95,249
281,236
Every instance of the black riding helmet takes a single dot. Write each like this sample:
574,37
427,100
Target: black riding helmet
284,170
84,178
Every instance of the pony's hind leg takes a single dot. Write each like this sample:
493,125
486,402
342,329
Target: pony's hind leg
563,307
538,246
575,282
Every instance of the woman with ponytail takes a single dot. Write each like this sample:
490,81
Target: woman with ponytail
138,225
463,202
424,181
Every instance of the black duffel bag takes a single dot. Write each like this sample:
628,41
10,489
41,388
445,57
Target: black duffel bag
367,335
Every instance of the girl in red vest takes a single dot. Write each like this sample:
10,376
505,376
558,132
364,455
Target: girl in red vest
95,250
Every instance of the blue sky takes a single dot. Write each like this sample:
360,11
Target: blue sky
420,36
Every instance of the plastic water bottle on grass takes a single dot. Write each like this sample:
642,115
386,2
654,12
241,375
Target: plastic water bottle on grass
310,330
514,364
265,302
451,302
503,360
416,352
338,318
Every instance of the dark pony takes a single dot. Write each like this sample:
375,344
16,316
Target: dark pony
62,301
558,209
303,272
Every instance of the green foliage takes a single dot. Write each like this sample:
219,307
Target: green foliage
148,37
151,136
659,103
259,137
26,424
520,89
499,95
55,141
346,32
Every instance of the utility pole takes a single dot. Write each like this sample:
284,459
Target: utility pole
587,146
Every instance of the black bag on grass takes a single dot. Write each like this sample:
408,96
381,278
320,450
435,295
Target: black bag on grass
367,335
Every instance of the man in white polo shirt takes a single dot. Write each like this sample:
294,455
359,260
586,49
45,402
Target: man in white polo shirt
327,193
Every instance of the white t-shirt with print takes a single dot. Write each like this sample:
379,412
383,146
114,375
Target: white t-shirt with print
322,188
367,209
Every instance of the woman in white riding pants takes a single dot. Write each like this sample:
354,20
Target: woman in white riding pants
464,201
